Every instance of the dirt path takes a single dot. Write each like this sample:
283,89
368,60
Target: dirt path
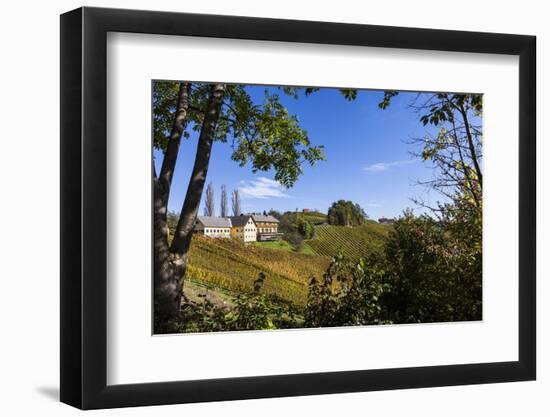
196,291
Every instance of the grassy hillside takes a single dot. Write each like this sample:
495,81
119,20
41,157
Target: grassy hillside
284,245
352,242
279,244
315,217
232,266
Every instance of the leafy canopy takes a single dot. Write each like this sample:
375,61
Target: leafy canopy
263,134
442,106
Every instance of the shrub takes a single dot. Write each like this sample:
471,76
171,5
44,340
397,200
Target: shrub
434,272
251,311
294,238
428,271
295,223
348,294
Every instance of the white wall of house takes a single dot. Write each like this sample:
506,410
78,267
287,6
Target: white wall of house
246,233
266,229
217,231
250,231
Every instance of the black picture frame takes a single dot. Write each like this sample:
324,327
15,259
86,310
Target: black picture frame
84,207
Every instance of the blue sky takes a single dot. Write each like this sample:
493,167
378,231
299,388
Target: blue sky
367,158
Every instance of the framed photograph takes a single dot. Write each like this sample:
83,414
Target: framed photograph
258,208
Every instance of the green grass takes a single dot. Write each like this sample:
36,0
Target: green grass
352,242
284,245
306,249
279,244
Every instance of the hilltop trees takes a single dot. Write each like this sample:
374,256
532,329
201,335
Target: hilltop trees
263,135
275,213
346,213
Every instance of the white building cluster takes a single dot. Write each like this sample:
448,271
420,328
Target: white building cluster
247,227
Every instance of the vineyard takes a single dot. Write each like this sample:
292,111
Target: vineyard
351,242
232,266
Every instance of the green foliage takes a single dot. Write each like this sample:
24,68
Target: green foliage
268,137
296,224
434,270
164,106
441,106
348,295
275,214
277,244
305,228
263,134
295,239
256,311
346,213
192,318
172,220
349,93
387,99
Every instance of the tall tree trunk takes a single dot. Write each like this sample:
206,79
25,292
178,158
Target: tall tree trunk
161,193
171,270
470,184
471,145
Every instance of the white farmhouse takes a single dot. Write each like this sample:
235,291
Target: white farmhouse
213,226
243,228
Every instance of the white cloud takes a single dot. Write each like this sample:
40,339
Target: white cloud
373,204
378,167
384,166
262,188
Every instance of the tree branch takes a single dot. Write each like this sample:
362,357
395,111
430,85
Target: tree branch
471,143
172,149
188,215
